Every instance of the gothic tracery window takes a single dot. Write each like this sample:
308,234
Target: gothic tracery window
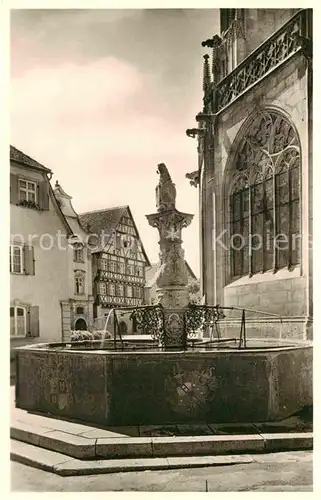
265,198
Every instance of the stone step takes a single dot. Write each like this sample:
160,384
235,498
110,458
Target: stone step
64,465
80,447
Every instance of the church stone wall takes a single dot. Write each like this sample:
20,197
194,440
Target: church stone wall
285,292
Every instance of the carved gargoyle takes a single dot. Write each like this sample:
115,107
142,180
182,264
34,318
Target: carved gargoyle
212,42
193,178
193,132
166,190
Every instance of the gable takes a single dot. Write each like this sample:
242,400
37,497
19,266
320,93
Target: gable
117,231
19,157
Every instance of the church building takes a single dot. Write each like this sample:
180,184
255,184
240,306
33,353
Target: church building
254,171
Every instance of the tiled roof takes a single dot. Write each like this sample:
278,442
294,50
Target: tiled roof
106,220
99,220
22,158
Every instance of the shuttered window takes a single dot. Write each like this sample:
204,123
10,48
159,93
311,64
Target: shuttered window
28,193
18,321
16,259
21,259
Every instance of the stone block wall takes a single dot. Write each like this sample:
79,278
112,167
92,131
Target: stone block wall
160,388
287,292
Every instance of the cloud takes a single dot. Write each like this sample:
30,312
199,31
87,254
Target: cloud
101,97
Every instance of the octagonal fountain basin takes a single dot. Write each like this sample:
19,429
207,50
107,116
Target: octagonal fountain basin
264,382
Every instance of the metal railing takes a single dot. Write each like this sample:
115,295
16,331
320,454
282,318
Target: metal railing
205,318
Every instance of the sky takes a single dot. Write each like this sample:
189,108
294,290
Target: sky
102,96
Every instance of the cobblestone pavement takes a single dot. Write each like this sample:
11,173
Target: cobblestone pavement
273,472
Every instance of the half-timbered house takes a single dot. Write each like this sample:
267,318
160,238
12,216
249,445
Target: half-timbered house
118,260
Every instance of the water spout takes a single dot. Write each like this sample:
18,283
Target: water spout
105,328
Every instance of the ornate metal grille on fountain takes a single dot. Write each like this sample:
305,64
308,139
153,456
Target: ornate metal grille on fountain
172,281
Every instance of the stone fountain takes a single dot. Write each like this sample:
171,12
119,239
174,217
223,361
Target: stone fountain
265,380
172,280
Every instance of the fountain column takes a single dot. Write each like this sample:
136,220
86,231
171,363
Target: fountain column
172,280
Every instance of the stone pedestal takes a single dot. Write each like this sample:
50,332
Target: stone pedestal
172,280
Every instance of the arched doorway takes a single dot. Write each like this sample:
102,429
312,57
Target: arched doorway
80,324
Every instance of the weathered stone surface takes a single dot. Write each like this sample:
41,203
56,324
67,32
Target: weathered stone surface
284,442
209,460
35,456
207,445
68,444
124,447
172,279
170,387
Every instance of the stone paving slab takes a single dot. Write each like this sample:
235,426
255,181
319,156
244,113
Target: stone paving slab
288,441
101,433
64,466
52,423
233,429
35,457
292,424
122,447
207,445
158,430
194,430
22,431
69,444
207,461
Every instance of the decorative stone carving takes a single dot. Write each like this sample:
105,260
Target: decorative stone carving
277,48
194,178
172,280
166,190
174,329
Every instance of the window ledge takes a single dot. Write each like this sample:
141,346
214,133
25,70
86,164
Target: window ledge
31,207
268,276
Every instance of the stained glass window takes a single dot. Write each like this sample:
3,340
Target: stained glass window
265,209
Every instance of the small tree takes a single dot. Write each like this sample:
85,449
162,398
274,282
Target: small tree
194,287
194,292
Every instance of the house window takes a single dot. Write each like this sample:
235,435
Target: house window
79,284
265,198
102,288
18,321
16,259
78,255
27,191
139,271
104,264
112,289
121,267
120,290
112,266
129,291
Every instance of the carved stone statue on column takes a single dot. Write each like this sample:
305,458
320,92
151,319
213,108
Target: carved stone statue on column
172,280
